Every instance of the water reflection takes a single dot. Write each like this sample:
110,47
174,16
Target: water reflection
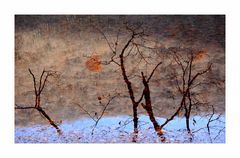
119,129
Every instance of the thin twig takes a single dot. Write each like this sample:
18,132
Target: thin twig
86,112
150,76
26,107
34,81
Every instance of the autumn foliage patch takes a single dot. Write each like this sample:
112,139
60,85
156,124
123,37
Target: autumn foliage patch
94,64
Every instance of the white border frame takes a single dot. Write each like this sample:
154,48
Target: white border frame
10,8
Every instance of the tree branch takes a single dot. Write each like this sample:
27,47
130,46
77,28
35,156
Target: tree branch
86,112
21,107
40,84
103,34
34,81
153,71
200,73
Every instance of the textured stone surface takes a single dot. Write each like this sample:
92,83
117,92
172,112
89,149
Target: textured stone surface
66,43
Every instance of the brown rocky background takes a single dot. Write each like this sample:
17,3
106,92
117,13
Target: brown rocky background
72,46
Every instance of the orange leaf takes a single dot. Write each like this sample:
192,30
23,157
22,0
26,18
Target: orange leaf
200,55
94,64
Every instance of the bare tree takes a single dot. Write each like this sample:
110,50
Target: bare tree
134,45
38,91
148,103
186,81
95,117
212,117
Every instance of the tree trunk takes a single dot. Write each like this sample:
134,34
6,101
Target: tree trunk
156,126
131,94
189,112
187,124
135,118
37,101
49,119
148,106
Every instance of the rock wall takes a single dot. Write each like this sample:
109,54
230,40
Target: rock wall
66,44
